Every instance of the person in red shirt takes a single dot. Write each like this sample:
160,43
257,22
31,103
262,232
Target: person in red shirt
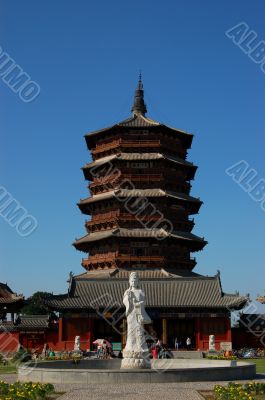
154,352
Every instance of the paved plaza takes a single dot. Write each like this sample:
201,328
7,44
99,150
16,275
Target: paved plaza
134,391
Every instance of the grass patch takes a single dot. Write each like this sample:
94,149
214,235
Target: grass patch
260,363
8,369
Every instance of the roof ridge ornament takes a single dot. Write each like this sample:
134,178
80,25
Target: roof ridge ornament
139,107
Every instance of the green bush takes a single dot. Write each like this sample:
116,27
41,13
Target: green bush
22,355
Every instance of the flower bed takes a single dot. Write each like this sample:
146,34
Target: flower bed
249,391
25,391
221,357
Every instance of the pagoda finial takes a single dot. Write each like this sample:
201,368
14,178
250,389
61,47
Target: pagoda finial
139,106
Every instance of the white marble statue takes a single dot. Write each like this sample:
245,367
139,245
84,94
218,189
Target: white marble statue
135,353
77,343
212,343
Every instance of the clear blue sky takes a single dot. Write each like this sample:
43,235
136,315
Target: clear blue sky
85,55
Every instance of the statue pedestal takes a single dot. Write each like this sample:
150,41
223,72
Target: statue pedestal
135,360
212,353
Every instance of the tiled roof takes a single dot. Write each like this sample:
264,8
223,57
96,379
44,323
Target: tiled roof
33,322
136,157
138,193
7,327
140,121
4,300
169,292
150,273
5,290
137,233
27,322
261,299
7,296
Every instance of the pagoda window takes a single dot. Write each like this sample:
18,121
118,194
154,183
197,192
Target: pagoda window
155,251
139,244
140,165
138,251
143,132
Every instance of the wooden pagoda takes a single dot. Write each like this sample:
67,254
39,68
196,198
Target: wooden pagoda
141,219
140,202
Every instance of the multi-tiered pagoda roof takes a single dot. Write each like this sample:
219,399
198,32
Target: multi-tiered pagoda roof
139,161
140,207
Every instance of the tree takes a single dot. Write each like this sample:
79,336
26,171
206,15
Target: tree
36,304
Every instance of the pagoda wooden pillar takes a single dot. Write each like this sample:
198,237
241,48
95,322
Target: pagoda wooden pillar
197,333
164,330
60,333
228,330
90,332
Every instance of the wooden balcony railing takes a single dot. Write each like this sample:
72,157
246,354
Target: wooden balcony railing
131,258
119,216
106,146
128,258
99,258
105,215
86,262
122,143
104,180
151,181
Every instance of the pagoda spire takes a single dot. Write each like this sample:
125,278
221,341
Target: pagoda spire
139,106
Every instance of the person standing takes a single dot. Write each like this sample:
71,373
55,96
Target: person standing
154,352
104,349
188,343
99,351
176,344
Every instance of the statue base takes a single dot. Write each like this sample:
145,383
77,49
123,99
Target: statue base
76,353
135,360
212,352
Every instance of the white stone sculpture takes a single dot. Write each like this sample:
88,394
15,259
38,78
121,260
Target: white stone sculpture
136,353
77,344
212,343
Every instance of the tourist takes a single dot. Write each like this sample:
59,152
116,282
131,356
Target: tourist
176,344
154,352
99,351
159,348
165,352
46,350
51,353
188,343
104,349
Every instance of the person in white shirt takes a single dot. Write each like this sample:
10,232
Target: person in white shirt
188,343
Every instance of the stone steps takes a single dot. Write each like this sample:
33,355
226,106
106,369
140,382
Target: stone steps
187,354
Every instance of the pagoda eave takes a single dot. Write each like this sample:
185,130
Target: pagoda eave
138,122
195,243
